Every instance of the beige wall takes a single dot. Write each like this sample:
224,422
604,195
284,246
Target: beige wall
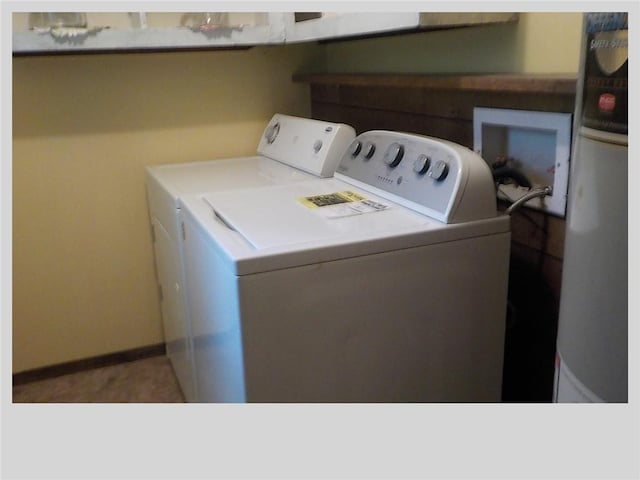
537,43
84,127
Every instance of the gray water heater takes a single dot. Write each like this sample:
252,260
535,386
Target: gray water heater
592,344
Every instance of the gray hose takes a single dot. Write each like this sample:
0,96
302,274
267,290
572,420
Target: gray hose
542,192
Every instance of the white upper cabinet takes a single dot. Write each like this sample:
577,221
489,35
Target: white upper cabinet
310,26
106,31
60,32
306,26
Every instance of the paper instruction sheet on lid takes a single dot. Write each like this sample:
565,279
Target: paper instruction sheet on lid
341,204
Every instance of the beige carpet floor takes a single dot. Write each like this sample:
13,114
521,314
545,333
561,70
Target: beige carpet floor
150,380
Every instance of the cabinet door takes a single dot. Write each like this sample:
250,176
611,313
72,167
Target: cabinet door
301,27
176,328
307,26
96,32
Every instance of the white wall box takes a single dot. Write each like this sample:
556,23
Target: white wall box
538,144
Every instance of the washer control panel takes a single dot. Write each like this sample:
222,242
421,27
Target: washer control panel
433,176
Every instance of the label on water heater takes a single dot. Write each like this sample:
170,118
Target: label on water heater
606,72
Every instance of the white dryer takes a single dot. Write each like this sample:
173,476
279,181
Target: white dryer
386,283
292,149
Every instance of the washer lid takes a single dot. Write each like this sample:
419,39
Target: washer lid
312,211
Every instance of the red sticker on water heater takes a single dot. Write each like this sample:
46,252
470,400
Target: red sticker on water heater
607,102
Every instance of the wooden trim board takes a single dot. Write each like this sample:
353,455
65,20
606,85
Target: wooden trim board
75,366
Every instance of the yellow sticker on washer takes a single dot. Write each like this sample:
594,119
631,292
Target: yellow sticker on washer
341,204
329,199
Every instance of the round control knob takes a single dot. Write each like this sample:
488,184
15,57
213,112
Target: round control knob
355,147
439,171
421,165
369,150
272,132
393,155
317,146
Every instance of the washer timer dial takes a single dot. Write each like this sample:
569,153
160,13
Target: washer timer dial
393,155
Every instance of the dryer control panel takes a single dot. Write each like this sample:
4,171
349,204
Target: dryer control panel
314,146
435,177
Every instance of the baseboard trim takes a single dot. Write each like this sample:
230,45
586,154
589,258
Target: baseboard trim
74,366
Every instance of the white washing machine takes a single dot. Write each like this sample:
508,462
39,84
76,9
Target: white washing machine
292,149
386,283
